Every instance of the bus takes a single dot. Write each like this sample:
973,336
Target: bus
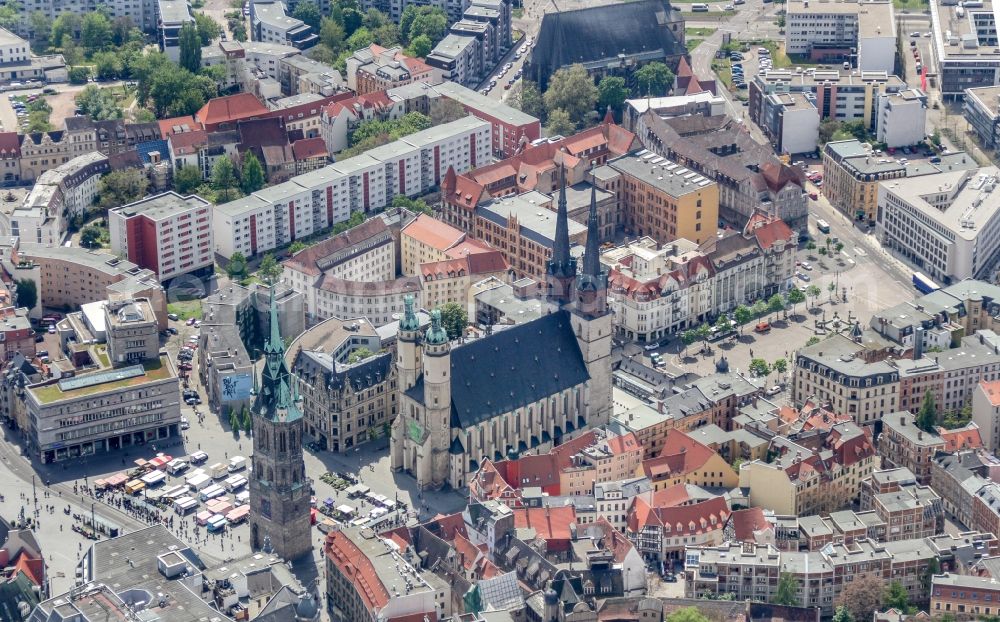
699,7
823,226
924,284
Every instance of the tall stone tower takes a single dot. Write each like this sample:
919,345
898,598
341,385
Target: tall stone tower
437,401
592,322
409,366
279,489
561,268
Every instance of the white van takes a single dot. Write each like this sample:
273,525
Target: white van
237,463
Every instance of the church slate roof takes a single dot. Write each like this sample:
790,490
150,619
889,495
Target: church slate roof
603,32
542,357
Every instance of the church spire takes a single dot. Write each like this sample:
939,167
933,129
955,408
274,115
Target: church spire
561,270
274,343
592,256
560,247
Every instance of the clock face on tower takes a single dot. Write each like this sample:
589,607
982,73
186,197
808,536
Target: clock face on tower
265,508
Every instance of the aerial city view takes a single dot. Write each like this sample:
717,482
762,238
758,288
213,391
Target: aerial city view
499,311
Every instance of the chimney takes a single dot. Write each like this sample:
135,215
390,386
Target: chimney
920,435
902,420
918,343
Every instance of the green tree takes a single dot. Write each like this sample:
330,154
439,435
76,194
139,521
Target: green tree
40,26
742,314
239,31
121,187
417,206
123,31
296,247
27,293
269,270
760,368
722,325
896,597
190,48
794,297
420,46
359,354
842,615
454,318
653,79
780,366
429,21
612,91
108,65
812,341
759,308
66,25
375,19
704,332
528,99
79,75
827,128
813,291
223,176
957,418
810,246
234,420
95,32
38,121
839,246
928,414
776,304
90,237
10,14
788,585
331,34
832,288
237,267
247,420
360,38
571,89
309,13
208,29
560,123
99,104
252,175
688,337
444,110
187,179
823,251
687,614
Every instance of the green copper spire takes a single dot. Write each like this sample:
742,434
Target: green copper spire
410,321
276,398
436,334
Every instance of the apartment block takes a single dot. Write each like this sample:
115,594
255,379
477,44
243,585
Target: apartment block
965,42
902,118
986,412
475,44
167,233
862,33
375,68
942,224
965,597
317,200
272,23
171,16
792,122
665,200
133,334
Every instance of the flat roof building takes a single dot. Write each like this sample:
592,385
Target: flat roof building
827,31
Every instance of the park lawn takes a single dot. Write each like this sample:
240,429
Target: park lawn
186,309
779,59
691,44
725,72
699,32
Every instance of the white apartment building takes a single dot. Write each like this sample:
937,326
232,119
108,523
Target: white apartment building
319,199
77,180
171,16
946,225
13,49
38,219
272,24
168,233
141,12
827,30
457,58
902,118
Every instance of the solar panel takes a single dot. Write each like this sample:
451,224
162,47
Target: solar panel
112,375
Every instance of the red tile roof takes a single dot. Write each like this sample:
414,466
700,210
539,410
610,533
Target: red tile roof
966,437
357,569
10,144
679,456
992,391
748,521
187,143
230,108
434,233
549,523
177,124
682,520
469,246
773,231
309,148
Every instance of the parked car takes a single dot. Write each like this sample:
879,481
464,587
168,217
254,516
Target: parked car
773,391
173,317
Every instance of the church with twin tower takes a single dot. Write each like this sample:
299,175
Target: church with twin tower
521,389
